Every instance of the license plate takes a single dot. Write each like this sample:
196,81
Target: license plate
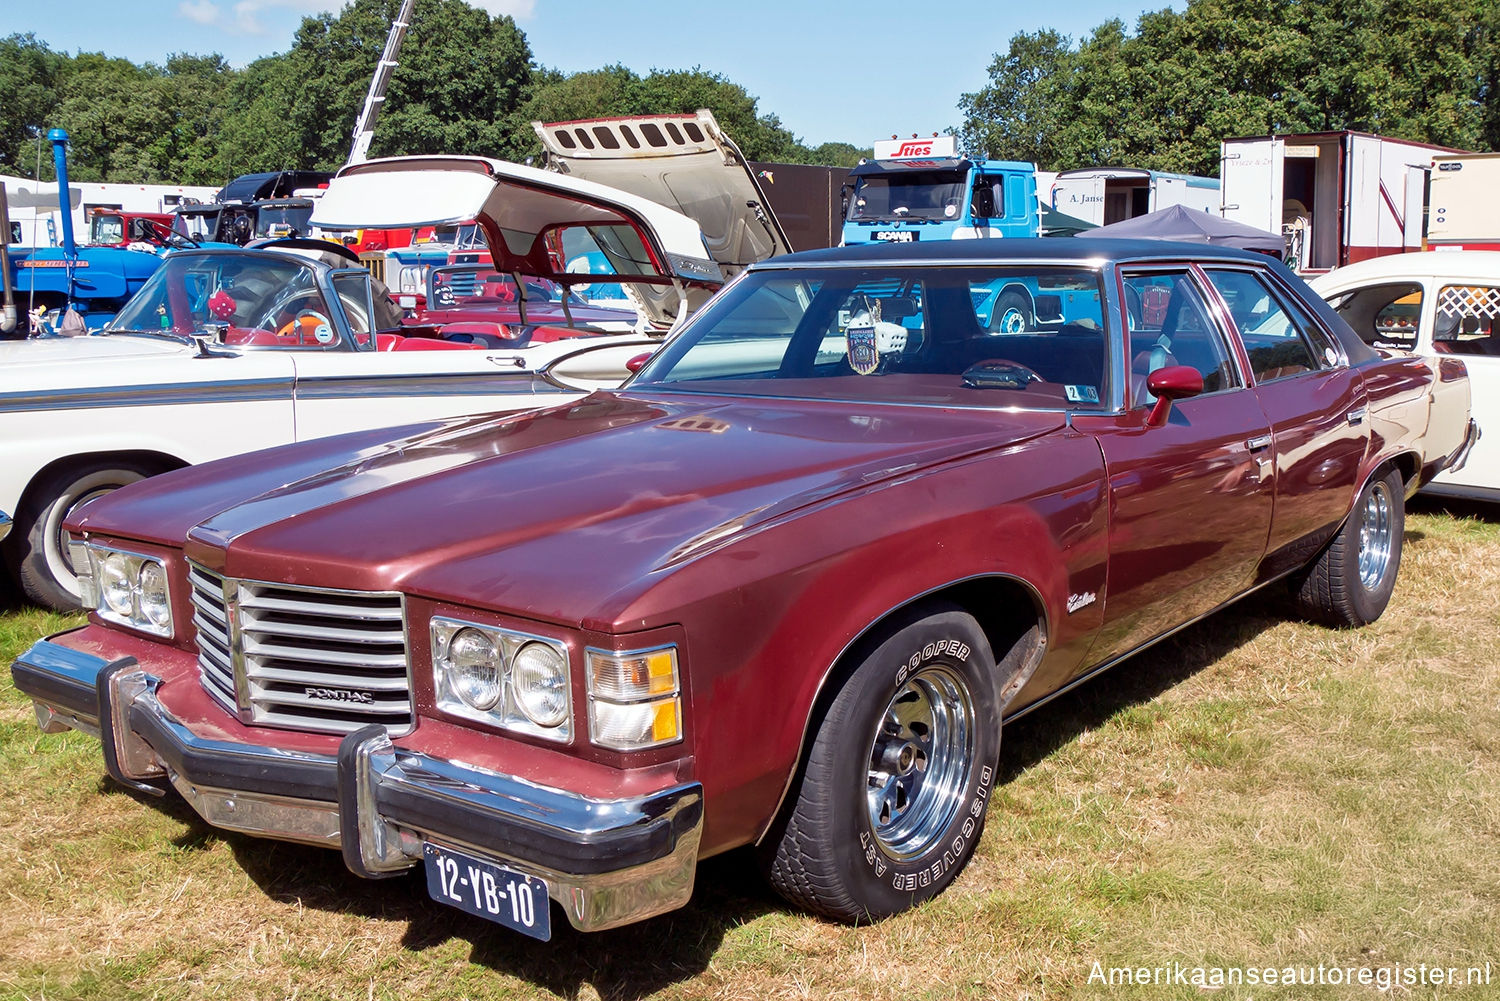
897,235
488,890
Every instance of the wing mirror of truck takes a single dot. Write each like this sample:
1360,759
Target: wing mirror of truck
637,363
1174,382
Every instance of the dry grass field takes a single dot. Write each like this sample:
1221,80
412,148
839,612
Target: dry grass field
1256,792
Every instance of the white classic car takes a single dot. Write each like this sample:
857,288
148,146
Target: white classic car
1435,303
227,351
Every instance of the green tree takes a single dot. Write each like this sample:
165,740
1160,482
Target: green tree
1165,96
30,73
461,76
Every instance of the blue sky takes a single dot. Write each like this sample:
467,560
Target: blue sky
851,72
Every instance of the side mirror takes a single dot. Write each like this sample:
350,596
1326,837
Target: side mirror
637,363
1175,382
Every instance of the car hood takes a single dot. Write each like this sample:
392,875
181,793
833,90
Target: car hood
558,514
94,347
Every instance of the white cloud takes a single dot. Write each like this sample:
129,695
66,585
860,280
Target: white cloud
201,11
521,10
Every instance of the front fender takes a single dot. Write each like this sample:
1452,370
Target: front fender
769,617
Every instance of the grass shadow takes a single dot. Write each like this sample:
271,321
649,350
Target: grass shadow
1138,679
621,964
1455,507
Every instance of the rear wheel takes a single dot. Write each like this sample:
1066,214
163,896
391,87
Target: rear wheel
1011,315
1351,582
41,561
891,803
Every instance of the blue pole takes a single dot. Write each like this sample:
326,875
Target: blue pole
59,139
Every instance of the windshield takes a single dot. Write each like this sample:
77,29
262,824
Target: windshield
196,224
461,285
107,229
908,335
908,194
278,221
264,300
462,235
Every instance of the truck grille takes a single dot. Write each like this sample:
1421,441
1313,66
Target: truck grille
302,658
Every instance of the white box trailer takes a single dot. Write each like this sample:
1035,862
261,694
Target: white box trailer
1103,195
1463,199
42,226
1340,197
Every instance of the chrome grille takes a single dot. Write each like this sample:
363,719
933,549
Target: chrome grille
302,658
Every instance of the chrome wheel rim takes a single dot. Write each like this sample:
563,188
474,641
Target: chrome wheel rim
920,762
1375,536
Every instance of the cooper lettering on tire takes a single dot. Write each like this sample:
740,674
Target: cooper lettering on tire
891,802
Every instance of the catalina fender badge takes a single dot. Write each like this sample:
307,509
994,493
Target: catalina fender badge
864,354
1084,600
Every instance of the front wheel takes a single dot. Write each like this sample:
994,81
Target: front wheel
1351,581
42,565
892,800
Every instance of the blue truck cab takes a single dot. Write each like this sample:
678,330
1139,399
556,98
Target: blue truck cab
923,189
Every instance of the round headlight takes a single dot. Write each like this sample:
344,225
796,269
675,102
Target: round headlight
116,584
154,606
474,664
539,677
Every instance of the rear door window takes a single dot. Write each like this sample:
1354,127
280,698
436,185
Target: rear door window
1465,323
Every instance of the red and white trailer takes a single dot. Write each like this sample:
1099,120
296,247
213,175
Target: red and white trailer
1464,202
1340,197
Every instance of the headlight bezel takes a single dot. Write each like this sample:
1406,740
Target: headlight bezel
131,564
506,713
654,698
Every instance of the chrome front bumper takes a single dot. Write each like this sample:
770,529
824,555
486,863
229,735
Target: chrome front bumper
606,862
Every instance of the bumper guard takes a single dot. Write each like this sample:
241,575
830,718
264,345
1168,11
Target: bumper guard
606,862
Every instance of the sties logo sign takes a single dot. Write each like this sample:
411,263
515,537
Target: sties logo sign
916,148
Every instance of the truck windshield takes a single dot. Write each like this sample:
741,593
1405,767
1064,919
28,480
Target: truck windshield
916,194
107,229
279,221
914,336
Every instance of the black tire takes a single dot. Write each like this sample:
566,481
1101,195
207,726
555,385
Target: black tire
1012,313
1350,582
39,558
885,814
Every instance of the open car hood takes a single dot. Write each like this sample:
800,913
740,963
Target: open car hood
683,161
533,220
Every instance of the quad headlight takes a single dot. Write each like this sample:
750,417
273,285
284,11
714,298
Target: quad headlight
635,698
502,677
125,588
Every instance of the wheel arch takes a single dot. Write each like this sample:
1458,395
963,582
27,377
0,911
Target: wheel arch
145,459
1006,607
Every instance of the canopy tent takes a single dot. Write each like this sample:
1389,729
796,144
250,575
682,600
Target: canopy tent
1193,226
1055,223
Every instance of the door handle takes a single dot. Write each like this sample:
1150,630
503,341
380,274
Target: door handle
1356,416
1259,443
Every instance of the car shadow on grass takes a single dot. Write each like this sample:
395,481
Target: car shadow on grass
622,964
1139,679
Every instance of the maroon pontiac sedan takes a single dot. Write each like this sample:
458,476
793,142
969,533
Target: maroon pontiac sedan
783,589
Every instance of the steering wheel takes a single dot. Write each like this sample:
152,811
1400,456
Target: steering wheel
308,323
169,237
999,373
